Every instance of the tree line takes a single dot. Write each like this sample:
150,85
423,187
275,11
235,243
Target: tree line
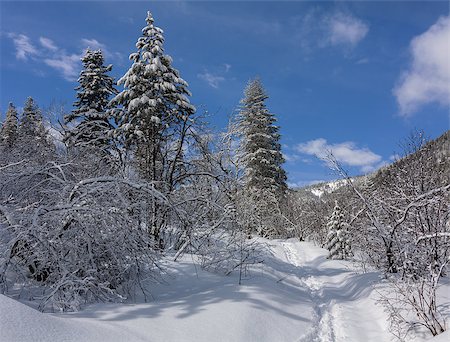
141,174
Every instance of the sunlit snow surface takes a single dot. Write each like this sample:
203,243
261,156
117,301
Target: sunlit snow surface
297,295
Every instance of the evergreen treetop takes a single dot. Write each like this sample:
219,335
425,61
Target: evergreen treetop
8,132
155,96
90,118
261,147
153,109
31,124
33,140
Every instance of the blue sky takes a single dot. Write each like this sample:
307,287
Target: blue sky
353,77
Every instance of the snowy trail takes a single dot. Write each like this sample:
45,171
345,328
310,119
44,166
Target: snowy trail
337,295
322,322
296,296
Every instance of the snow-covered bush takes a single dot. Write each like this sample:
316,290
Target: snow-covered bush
78,240
225,252
205,218
309,214
411,303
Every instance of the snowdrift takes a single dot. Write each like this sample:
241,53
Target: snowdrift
297,295
19,322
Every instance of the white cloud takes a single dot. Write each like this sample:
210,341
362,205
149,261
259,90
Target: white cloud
48,53
23,45
318,29
290,157
362,61
48,43
93,44
428,79
68,65
295,157
212,80
345,29
346,153
218,76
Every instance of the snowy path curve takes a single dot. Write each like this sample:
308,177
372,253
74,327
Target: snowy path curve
339,297
322,323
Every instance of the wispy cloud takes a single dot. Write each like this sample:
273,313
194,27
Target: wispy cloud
290,157
347,153
428,79
94,44
318,29
47,52
345,30
212,80
68,65
294,157
48,43
362,61
23,45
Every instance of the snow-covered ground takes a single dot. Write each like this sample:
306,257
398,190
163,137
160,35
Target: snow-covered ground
296,295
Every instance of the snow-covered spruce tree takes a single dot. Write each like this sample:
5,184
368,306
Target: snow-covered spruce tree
31,120
264,177
90,118
152,118
153,104
338,238
8,132
33,137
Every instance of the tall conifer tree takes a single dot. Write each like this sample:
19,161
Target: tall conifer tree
264,176
91,118
154,101
151,115
8,132
31,124
33,137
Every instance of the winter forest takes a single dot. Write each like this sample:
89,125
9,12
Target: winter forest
133,218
